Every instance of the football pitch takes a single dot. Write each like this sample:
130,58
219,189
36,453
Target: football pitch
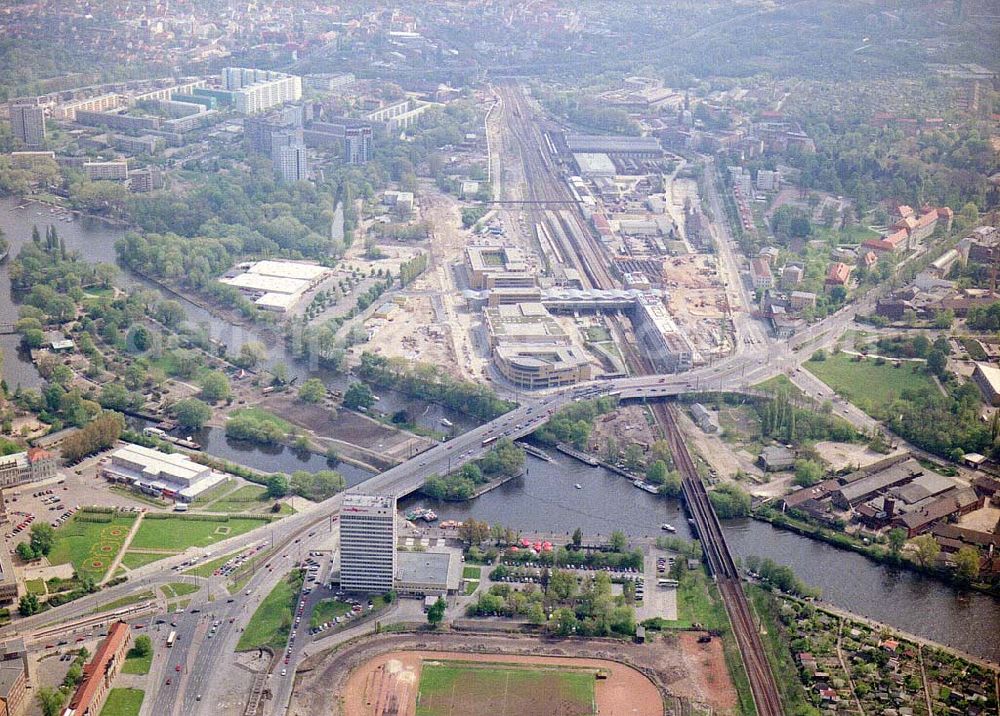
455,688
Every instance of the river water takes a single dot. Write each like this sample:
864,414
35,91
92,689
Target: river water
545,499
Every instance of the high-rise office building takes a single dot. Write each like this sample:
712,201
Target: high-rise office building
27,123
367,543
290,162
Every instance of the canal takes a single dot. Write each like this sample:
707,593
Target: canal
545,498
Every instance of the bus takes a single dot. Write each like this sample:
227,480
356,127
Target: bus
171,638
490,439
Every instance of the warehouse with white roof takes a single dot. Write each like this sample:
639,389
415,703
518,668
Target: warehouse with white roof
174,476
277,285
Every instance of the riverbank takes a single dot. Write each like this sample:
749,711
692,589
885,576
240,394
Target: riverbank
875,552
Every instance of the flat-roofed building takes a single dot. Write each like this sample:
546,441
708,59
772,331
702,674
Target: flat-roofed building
9,592
507,296
102,103
610,144
175,476
100,672
497,267
106,171
595,165
523,323
30,466
27,123
542,366
669,350
760,273
428,573
258,90
32,160
277,285
987,377
368,543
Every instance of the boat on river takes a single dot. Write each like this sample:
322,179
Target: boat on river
668,527
578,486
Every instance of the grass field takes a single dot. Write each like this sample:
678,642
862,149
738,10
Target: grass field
249,498
471,572
126,601
135,664
134,560
265,416
869,386
272,621
35,586
178,589
123,702
326,610
90,547
207,568
178,534
449,687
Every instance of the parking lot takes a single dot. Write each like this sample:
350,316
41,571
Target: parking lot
660,601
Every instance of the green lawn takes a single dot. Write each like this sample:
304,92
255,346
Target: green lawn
206,569
326,610
178,589
272,621
135,664
213,494
126,601
869,386
35,586
249,498
176,533
471,572
265,416
448,687
778,384
90,547
134,560
123,702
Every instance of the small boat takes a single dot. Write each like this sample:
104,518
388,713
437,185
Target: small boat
578,486
447,423
668,528
430,516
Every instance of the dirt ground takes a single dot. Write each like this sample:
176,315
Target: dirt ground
414,331
684,672
984,519
840,455
723,458
393,679
625,426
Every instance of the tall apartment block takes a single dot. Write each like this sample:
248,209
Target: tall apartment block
258,90
291,163
27,123
367,543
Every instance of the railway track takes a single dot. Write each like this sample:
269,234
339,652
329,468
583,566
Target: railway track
723,568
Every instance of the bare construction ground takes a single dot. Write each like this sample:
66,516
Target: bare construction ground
674,669
698,300
841,455
621,428
414,331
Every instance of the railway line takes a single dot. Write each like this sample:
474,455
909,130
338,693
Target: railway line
723,568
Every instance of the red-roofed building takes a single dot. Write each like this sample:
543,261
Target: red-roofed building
904,211
100,672
838,275
868,260
31,466
925,225
946,214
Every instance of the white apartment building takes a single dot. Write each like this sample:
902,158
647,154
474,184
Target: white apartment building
258,90
368,543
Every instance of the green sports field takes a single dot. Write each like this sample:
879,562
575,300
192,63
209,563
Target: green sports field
502,689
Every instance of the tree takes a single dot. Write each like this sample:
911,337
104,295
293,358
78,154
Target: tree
28,605
937,361
564,622
252,354
435,615
897,538
170,314
577,537
143,646
927,549
633,457
215,386
657,472
967,563
808,472
277,486
25,552
562,584
618,541
43,537
473,532
279,372
192,413
312,391
536,614
50,700
358,395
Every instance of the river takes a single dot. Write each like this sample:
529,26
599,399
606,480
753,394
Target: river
544,498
